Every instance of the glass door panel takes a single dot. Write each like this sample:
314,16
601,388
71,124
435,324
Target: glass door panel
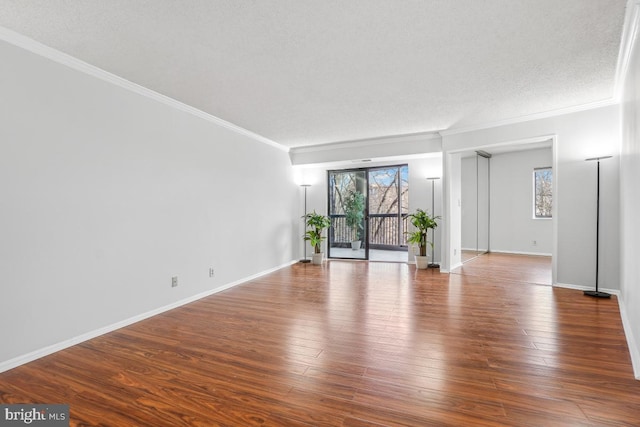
348,212
388,207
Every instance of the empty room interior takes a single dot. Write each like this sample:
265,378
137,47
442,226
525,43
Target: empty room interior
212,212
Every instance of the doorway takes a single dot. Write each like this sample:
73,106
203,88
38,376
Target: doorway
510,193
368,208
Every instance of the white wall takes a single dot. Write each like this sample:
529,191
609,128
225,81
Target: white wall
577,136
451,212
107,194
513,228
630,204
420,196
316,177
469,206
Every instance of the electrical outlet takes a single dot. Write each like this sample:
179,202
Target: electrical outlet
534,243
174,281
212,272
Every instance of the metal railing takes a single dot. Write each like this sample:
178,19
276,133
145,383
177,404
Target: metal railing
388,230
385,230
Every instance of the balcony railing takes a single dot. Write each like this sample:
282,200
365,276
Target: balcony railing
385,231
388,230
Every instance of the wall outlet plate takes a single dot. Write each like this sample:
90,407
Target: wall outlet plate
174,281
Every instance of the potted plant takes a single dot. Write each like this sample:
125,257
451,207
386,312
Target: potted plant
422,221
354,212
317,224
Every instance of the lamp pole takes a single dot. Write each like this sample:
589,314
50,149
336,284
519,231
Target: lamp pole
597,293
433,263
304,242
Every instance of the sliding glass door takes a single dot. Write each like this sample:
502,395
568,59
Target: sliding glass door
368,210
388,208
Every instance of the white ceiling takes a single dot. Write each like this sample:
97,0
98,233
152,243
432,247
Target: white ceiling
303,72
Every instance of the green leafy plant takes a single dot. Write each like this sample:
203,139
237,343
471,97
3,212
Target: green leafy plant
422,221
354,212
317,224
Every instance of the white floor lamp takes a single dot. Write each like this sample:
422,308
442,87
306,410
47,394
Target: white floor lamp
597,293
304,242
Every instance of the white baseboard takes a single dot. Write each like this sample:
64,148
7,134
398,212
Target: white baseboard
615,292
634,351
45,351
519,253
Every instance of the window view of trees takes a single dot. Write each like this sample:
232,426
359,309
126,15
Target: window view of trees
543,194
340,184
388,205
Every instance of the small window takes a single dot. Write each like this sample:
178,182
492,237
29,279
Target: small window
543,192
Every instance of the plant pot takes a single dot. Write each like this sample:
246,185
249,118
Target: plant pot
317,258
422,262
355,245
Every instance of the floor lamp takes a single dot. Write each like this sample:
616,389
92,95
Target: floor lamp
597,293
304,244
433,263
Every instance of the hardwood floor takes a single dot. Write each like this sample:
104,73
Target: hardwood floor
509,267
352,344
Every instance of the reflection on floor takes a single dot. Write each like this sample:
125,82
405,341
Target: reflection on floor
467,254
509,267
374,254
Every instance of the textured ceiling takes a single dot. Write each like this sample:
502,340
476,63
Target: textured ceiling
311,72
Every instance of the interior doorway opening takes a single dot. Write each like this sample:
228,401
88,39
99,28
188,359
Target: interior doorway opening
514,229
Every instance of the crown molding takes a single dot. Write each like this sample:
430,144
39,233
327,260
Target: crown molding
366,142
40,49
628,39
530,117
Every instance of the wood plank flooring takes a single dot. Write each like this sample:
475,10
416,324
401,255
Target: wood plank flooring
509,267
352,344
